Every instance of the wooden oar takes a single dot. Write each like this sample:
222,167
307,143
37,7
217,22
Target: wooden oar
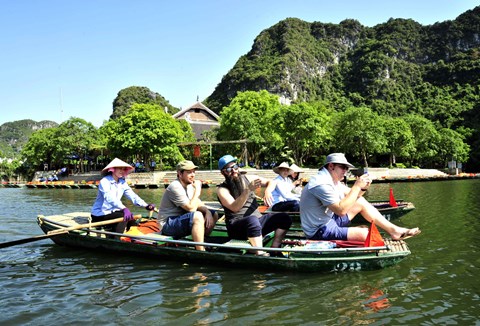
62,231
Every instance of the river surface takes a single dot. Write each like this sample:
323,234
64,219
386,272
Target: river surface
45,284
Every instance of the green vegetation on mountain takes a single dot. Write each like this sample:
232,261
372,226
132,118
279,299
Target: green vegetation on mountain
139,95
397,92
396,68
14,135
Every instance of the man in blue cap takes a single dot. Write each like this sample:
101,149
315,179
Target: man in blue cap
327,205
243,219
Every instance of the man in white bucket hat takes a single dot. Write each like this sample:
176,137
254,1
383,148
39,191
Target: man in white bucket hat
108,204
327,205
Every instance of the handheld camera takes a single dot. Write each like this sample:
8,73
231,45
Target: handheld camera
359,171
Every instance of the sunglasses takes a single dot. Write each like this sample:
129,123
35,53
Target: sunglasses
342,166
231,168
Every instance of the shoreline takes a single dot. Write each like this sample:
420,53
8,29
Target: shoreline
161,179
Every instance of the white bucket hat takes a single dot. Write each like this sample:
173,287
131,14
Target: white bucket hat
338,158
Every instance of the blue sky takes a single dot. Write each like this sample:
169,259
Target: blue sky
67,58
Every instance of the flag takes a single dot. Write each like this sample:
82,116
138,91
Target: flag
374,238
393,203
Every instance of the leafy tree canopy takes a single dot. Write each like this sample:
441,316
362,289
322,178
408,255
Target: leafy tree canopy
146,132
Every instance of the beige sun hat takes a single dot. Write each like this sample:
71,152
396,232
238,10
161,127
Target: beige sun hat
282,165
295,168
186,166
117,163
338,158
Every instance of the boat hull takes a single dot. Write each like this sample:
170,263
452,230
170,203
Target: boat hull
226,255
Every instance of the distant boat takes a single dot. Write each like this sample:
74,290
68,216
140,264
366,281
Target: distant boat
384,207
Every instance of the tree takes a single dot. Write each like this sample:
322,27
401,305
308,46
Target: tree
39,149
306,129
359,131
74,138
146,132
426,139
253,116
452,146
9,168
399,138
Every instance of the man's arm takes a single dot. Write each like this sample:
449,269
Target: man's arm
195,201
227,200
358,189
270,187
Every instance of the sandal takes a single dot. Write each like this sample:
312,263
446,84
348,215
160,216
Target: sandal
409,233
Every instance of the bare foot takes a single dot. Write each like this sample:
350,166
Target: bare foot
406,233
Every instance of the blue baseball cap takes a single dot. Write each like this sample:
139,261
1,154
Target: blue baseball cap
224,160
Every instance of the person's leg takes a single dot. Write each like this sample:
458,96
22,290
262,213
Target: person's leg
214,214
371,214
115,227
287,206
181,226
280,223
198,229
248,227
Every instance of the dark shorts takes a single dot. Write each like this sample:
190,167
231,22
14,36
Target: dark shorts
287,206
245,227
335,229
180,226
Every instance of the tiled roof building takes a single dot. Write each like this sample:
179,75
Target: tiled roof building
199,117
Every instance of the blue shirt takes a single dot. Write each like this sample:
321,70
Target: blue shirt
319,193
283,190
110,194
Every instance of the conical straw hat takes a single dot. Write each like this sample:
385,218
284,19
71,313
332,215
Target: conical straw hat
118,163
295,168
282,165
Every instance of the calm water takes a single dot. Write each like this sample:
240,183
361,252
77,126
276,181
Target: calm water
42,283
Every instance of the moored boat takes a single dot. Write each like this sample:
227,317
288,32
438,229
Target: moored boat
389,211
298,254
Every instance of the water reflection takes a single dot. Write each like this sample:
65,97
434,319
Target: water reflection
377,299
41,283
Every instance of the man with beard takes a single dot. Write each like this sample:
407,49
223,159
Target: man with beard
243,219
181,211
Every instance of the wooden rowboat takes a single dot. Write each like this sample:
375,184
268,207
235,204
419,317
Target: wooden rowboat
298,254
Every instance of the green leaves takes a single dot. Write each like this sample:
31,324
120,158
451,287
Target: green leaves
147,132
359,131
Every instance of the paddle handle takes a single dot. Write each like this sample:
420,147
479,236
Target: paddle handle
89,225
62,231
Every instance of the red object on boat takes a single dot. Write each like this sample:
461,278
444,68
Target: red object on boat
393,203
374,238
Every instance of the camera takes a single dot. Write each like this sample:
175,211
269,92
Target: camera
358,171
